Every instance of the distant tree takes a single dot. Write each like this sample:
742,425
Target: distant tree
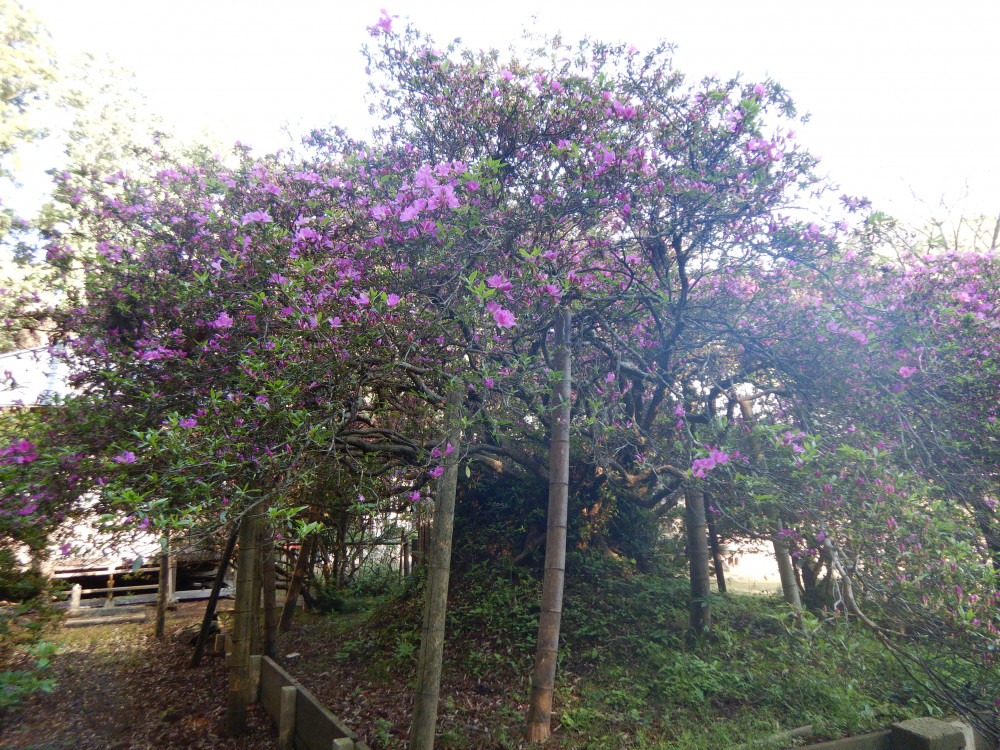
26,71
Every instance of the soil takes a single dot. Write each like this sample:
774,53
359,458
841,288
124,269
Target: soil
119,688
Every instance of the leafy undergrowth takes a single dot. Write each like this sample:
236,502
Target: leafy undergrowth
628,676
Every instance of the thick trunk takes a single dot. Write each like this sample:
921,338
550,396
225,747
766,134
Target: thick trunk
543,679
700,604
295,582
213,600
436,592
239,667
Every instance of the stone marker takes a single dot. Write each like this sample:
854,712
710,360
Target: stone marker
926,734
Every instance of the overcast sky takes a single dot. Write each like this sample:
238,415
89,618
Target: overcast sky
904,95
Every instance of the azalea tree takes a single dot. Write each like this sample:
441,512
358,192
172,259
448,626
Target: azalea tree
606,258
605,186
878,428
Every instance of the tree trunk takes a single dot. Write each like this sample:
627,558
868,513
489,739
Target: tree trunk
213,600
547,649
786,570
161,589
700,604
436,592
404,556
239,668
713,541
256,612
268,586
296,581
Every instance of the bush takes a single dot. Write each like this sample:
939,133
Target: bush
18,585
328,597
380,579
15,685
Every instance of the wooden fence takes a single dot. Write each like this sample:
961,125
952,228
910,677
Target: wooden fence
303,722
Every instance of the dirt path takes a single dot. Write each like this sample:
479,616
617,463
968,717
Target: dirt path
118,688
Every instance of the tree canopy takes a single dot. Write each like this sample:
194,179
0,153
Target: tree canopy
283,331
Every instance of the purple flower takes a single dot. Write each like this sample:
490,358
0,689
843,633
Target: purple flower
907,371
503,318
188,422
65,549
499,281
262,216
128,457
392,300
437,471
223,321
488,382
382,26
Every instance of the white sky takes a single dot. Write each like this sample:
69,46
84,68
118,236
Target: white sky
904,94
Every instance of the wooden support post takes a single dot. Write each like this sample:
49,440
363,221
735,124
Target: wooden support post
172,579
343,743
161,597
699,604
108,602
255,667
74,597
213,600
286,718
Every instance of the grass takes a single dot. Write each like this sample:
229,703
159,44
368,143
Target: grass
629,676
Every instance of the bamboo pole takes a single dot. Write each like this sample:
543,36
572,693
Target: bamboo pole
425,701
239,668
547,648
700,603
